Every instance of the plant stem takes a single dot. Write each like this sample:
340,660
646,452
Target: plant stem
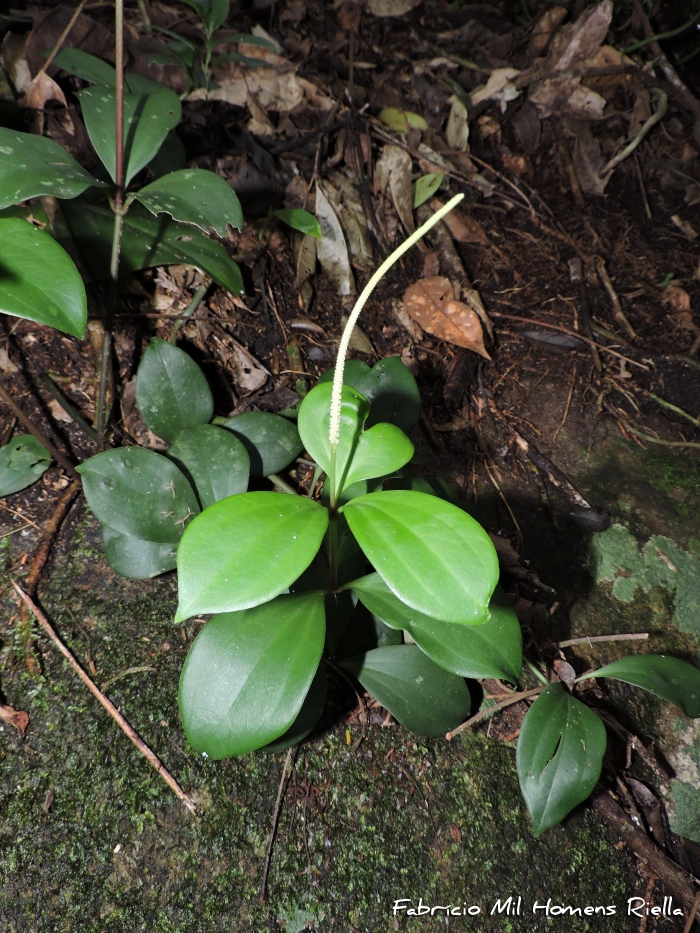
333,551
189,311
32,428
590,639
537,672
489,711
119,210
281,484
334,431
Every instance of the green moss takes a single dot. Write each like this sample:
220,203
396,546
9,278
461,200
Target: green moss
686,803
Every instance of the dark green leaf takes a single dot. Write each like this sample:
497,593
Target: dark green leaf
309,714
38,279
423,697
425,187
431,554
300,220
139,493
148,117
22,461
668,678
146,241
364,632
213,13
409,477
388,386
559,756
34,165
492,649
360,454
213,460
171,157
135,558
194,196
85,66
171,390
245,550
272,442
248,673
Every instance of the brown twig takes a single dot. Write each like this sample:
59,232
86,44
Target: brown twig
150,756
50,531
590,639
618,313
275,820
693,913
572,333
485,713
568,404
61,39
31,427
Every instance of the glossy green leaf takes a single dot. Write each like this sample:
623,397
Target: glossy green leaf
171,390
213,13
35,165
425,187
146,241
300,220
559,756
668,678
247,549
148,117
22,461
423,697
409,477
194,196
431,554
307,717
248,673
213,460
361,454
388,386
138,492
85,66
272,441
38,279
492,649
135,558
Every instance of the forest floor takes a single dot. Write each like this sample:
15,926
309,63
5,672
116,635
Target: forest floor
562,401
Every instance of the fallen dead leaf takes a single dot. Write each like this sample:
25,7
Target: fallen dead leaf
455,832
249,374
358,339
544,28
332,249
463,227
15,717
677,297
391,7
498,87
393,174
431,303
59,413
457,130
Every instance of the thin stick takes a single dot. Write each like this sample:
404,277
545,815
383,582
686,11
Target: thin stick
61,39
672,407
693,913
57,455
69,409
572,333
505,501
590,639
485,713
618,313
50,531
662,99
568,404
281,484
275,820
107,704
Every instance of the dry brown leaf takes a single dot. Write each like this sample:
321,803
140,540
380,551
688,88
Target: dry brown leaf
457,129
544,28
391,7
463,227
677,297
15,717
393,173
582,39
431,303
249,374
431,264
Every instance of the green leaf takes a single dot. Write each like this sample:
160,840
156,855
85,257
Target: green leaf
408,477
361,454
213,460
559,756
423,697
364,633
492,649
35,165
194,196
431,554
248,673
245,550
38,279
300,220
138,492
146,242
213,13
22,461
307,717
85,66
272,442
402,120
388,386
171,390
668,678
425,187
135,558
148,117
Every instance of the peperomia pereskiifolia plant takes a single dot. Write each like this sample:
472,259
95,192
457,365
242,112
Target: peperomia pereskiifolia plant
288,576
128,119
